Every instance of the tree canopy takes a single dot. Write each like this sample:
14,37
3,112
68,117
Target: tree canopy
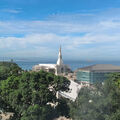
100,102
27,95
7,69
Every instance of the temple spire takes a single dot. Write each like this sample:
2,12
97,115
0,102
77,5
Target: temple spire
60,61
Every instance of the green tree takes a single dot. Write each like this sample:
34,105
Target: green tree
100,102
7,69
27,94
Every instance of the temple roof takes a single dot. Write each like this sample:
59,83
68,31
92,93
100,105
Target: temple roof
60,61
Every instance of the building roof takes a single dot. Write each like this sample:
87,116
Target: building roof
101,67
47,65
73,92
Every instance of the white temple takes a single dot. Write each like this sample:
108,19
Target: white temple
58,68
61,69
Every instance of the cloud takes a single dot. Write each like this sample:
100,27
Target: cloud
65,24
28,27
47,44
85,36
14,11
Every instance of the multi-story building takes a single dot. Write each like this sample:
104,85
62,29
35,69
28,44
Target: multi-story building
95,73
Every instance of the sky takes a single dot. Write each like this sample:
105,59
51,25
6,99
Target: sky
86,29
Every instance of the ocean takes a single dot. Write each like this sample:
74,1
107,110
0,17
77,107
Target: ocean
27,64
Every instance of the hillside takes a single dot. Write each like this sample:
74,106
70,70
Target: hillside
7,69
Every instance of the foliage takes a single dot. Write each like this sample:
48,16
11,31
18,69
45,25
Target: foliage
63,108
99,102
38,112
7,69
27,95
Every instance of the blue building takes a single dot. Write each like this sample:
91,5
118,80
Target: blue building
96,73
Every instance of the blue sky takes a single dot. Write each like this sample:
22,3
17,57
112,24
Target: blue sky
86,29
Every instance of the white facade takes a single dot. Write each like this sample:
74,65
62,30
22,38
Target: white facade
58,68
72,94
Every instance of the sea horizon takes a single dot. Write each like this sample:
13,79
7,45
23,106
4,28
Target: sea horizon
28,63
